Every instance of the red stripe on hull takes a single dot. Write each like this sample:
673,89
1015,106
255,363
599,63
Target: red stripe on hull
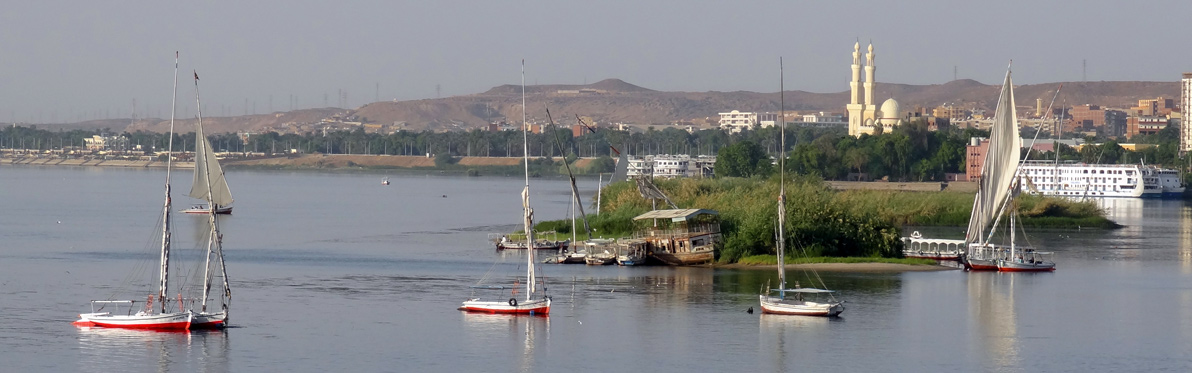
527,311
1008,269
772,312
153,326
978,267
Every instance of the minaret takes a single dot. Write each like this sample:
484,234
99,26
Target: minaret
855,118
856,71
869,80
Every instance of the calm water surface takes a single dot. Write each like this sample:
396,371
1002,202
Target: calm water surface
334,272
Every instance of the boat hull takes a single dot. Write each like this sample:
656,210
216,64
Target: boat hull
1012,266
542,245
599,261
980,264
778,306
226,210
166,321
684,259
513,307
630,261
932,255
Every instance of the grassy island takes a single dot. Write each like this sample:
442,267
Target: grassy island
855,224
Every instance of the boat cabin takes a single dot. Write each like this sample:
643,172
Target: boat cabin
680,236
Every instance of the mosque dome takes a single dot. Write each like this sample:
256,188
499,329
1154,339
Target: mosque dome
890,113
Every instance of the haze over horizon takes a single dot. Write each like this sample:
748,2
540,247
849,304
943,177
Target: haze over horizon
86,60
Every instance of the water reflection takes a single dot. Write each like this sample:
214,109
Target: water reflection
991,306
519,330
804,334
1185,246
107,350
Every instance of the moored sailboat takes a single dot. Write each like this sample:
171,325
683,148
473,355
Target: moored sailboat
534,303
791,301
995,194
158,312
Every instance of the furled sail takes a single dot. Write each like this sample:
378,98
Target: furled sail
1000,167
207,166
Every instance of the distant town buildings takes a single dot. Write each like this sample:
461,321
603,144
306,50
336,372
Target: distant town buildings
671,166
735,121
106,143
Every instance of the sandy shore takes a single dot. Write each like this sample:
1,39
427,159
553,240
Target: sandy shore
847,267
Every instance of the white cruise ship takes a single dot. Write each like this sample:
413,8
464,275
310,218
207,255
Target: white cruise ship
1099,180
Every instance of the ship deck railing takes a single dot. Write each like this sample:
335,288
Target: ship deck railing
689,231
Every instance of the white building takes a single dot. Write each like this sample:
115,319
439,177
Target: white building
735,121
671,166
1185,109
106,143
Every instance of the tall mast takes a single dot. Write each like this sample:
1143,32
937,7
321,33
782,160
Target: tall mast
165,224
781,179
202,145
529,212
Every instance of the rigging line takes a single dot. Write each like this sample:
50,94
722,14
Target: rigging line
488,274
1042,120
139,269
822,284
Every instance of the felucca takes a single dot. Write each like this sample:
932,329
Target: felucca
535,303
162,311
791,301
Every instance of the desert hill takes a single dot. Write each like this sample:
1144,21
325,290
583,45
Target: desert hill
613,100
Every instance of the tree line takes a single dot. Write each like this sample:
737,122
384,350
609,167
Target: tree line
908,152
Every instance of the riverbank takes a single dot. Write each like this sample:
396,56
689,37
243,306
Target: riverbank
334,161
88,162
845,267
337,162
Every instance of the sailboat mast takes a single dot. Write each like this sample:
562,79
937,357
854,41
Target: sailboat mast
529,213
165,224
781,179
201,149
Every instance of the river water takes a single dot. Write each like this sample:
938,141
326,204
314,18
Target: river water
335,272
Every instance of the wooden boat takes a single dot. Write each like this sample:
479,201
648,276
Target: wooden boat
681,236
535,302
505,243
632,252
1027,260
791,301
787,304
158,312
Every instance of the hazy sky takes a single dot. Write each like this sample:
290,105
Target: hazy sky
69,59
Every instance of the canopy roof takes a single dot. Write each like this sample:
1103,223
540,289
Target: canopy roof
802,290
675,214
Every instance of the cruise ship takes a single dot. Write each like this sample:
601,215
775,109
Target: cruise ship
1099,180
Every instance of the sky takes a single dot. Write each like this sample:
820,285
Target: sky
65,61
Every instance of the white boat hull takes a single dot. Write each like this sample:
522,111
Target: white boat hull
161,321
512,306
779,306
225,210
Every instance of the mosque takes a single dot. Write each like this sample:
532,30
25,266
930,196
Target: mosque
867,118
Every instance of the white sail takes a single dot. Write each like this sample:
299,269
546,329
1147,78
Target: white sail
206,166
1000,167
